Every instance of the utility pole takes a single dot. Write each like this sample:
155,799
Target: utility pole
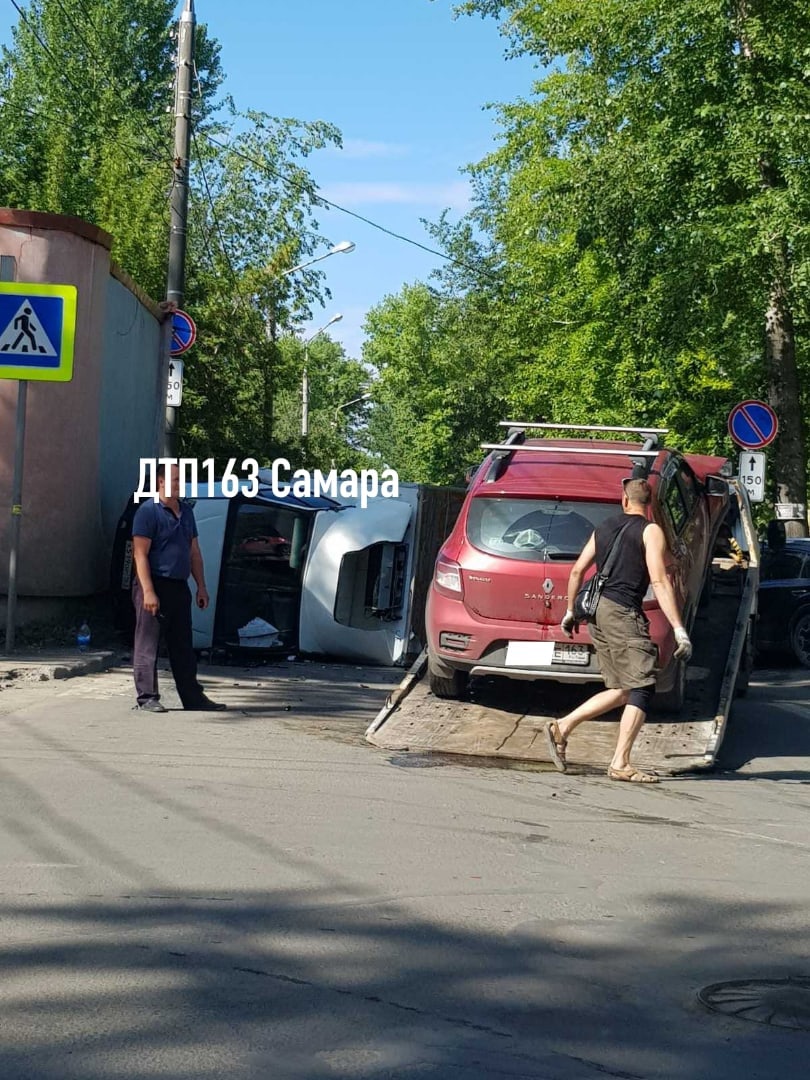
175,284
305,395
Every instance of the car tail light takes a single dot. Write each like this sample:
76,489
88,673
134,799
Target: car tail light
448,576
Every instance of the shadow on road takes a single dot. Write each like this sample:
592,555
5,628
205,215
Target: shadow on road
317,984
772,723
336,979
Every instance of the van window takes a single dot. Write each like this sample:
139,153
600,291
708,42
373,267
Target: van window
534,530
261,573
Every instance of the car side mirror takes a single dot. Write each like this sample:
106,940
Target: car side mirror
716,486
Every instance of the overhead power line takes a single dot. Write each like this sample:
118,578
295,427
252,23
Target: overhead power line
151,181
263,165
156,154
217,227
102,62
351,213
33,30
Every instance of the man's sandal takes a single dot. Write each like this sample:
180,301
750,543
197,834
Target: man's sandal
631,775
556,745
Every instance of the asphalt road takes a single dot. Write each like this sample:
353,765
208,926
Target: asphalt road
261,894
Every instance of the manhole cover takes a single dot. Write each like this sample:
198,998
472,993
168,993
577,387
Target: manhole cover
781,1003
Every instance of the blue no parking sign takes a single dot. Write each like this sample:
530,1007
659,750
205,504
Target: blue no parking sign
753,425
184,333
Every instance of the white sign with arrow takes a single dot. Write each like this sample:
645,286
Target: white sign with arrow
752,474
174,393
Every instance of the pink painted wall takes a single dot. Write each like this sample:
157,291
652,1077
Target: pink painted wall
63,547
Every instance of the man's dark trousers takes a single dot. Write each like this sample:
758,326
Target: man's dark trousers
175,621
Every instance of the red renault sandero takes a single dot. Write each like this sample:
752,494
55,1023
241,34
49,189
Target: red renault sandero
499,588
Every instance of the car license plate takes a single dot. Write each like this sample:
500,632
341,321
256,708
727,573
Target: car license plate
529,653
571,654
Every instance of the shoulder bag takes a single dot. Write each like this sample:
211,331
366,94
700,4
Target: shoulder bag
587,598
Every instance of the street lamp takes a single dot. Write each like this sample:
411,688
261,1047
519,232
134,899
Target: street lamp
346,404
305,377
343,248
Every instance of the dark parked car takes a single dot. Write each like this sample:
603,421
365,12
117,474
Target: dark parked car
784,599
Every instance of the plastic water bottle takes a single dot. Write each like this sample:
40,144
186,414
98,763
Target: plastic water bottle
83,637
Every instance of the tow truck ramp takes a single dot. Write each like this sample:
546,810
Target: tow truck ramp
504,719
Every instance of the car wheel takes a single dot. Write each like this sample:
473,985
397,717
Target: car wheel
445,681
800,639
672,701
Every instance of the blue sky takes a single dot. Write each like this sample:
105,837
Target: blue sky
405,83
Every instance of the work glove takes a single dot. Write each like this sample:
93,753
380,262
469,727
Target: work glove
568,624
684,645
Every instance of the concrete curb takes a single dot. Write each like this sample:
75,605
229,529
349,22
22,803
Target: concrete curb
55,666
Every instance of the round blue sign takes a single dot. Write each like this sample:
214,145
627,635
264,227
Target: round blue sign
753,425
184,333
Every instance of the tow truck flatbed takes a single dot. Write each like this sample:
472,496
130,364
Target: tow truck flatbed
504,719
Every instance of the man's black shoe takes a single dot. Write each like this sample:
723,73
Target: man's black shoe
152,705
206,705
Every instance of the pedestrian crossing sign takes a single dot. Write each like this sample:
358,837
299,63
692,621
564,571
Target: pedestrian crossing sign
37,331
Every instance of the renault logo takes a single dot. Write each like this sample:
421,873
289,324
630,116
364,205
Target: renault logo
548,585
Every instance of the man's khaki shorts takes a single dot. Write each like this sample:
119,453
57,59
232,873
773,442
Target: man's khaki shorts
627,657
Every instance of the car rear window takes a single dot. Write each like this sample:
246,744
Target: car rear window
534,530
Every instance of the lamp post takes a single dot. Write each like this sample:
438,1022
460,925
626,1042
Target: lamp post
343,248
346,404
305,377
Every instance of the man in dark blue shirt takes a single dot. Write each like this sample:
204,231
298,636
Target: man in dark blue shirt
166,552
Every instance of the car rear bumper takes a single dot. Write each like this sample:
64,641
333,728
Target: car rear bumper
495,661
550,674
482,645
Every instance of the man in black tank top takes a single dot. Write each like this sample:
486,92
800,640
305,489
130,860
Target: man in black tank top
620,631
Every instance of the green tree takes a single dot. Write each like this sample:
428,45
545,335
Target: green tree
339,405
85,131
442,385
665,152
251,218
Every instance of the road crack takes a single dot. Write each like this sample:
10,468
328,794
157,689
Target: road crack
374,999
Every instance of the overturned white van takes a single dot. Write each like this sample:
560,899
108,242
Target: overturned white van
333,578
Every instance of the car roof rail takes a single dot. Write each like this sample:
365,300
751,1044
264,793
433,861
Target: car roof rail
643,464
641,458
503,452
519,424
644,452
